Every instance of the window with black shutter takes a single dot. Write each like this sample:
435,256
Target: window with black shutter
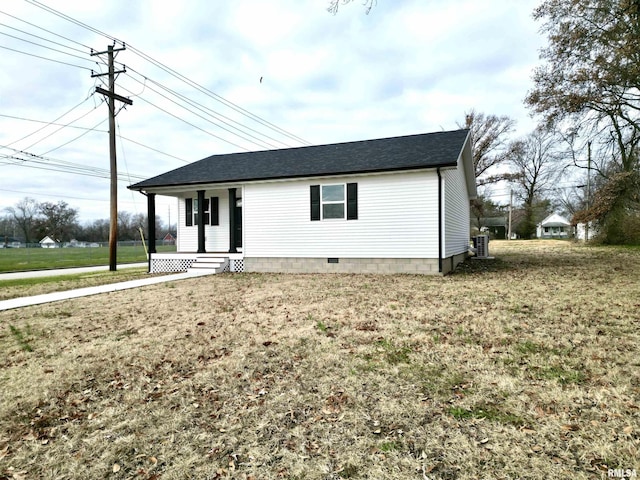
189,211
215,211
352,201
315,202
334,201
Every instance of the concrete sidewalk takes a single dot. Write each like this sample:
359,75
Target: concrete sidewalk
83,292
64,271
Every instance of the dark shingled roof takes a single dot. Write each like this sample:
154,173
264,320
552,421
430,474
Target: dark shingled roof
430,150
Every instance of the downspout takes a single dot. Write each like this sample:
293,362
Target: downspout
439,220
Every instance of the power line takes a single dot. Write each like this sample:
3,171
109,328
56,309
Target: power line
55,165
262,143
61,127
218,98
47,123
40,194
45,30
71,20
83,128
153,149
55,168
44,46
189,123
41,38
173,73
45,58
218,116
76,138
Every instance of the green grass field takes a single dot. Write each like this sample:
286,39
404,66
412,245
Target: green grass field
19,259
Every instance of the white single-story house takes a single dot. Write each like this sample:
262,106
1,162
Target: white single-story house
48,242
554,226
390,205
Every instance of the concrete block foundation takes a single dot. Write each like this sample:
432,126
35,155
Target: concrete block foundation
425,266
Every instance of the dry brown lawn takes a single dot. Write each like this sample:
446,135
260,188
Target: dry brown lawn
526,366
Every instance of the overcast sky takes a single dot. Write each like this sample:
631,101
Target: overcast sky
272,74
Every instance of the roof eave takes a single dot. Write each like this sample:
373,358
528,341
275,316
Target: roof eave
140,188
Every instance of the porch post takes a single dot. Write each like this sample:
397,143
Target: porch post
232,221
151,225
151,222
201,248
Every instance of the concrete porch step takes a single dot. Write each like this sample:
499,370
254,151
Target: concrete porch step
214,263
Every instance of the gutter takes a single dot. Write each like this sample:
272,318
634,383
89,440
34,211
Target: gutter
439,220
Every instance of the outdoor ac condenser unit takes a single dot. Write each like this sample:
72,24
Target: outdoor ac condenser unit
482,246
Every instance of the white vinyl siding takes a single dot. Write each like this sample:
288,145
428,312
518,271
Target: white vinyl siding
456,212
216,236
397,217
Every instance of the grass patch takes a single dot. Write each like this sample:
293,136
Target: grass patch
322,327
528,347
21,337
389,446
486,412
233,376
561,374
392,353
21,259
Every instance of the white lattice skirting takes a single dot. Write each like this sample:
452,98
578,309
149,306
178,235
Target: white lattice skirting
168,265
236,266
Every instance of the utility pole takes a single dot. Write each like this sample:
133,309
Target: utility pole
510,208
586,225
112,96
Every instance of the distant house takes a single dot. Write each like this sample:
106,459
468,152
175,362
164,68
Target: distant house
9,242
48,242
169,239
496,227
554,226
389,205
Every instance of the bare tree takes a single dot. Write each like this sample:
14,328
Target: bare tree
536,168
334,5
590,79
490,144
573,199
24,213
57,220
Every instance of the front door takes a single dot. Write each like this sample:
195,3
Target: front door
238,223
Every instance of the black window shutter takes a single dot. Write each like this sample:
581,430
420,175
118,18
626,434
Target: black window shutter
352,201
189,211
215,215
315,202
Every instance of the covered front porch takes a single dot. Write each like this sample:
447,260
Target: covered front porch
209,231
